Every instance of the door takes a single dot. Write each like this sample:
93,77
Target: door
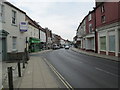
0,48
4,49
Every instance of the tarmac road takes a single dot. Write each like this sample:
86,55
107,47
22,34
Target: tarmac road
84,71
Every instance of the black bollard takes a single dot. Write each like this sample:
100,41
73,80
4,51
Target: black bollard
23,64
19,69
10,78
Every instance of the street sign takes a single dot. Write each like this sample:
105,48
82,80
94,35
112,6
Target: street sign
23,26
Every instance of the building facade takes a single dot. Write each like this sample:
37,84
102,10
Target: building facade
14,43
108,28
99,31
32,38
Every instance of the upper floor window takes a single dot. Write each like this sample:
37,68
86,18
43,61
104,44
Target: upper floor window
1,12
90,27
13,17
102,9
89,17
103,19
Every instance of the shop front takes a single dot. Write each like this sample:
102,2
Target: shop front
34,44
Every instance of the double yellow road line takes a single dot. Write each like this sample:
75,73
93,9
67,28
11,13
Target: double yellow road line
62,79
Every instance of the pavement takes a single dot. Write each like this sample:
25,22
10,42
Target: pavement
96,54
39,75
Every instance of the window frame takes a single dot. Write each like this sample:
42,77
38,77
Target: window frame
2,13
103,19
14,43
101,49
14,17
90,27
90,17
102,9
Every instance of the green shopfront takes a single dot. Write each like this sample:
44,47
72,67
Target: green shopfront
34,44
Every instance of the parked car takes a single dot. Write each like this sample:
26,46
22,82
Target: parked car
67,47
55,47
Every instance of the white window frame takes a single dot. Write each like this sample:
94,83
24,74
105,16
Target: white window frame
103,19
1,13
14,17
102,9
89,17
14,43
90,28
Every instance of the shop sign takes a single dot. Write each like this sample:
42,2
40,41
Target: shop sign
23,26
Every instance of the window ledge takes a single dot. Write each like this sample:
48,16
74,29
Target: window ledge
14,25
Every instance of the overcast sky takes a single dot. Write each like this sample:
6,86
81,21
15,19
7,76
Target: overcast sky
60,16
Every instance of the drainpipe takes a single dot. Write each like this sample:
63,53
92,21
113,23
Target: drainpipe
96,41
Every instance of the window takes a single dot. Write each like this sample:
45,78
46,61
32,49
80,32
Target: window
14,42
1,12
89,17
103,43
13,17
103,19
119,38
112,43
90,27
102,9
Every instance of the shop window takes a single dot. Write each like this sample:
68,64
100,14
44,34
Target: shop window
112,43
103,43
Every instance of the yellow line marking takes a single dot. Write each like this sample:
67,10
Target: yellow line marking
68,86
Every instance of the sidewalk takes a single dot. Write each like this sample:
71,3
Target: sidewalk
39,75
96,55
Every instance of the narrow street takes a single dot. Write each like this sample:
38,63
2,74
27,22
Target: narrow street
83,71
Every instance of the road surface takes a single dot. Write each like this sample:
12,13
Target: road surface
83,71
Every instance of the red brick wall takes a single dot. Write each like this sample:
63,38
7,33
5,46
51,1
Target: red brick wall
103,52
111,53
111,13
90,22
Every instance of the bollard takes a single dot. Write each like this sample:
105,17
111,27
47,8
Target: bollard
23,64
10,78
19,69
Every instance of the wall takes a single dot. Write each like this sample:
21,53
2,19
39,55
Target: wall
42,36
111,13
14,29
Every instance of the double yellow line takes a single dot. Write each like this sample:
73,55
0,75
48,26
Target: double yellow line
68,86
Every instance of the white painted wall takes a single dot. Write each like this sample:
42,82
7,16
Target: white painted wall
42,36
32,31
13,29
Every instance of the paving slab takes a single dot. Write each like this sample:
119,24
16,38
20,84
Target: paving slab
39,75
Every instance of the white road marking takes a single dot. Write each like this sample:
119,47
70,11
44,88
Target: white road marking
106,71
59,76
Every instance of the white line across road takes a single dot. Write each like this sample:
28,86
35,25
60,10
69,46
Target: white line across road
106,72
68,86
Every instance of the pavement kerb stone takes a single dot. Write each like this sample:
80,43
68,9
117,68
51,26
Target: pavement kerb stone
41,51
113,58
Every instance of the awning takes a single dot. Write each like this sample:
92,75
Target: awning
34,40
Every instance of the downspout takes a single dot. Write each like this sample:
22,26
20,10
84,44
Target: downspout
96,38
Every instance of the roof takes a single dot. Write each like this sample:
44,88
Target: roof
8,3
